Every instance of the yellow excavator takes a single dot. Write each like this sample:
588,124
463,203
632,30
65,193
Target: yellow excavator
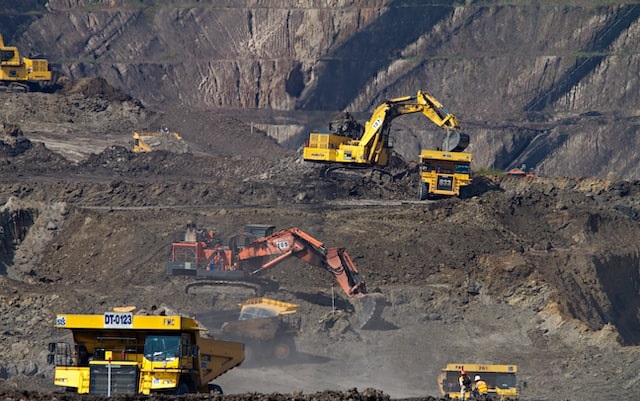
352,145
20,74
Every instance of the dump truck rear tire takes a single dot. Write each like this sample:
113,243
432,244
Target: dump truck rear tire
215,389
284,349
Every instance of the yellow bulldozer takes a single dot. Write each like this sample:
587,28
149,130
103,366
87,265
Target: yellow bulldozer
21,74
163,139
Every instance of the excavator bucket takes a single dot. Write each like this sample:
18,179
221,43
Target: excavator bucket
368,310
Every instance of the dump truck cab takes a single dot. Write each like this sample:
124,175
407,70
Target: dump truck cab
122,353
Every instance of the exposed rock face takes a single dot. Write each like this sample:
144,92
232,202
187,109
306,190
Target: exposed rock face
535,84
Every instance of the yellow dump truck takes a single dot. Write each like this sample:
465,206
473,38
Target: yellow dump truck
443,173
122,353
501,380
267,327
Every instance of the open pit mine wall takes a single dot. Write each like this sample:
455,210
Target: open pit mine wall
14,226
535,83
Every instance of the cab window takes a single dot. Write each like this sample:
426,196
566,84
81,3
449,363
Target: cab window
462,169
252,312
162,348
6,55
505,381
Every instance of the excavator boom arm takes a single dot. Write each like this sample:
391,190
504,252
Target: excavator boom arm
436,112
382,116
274,249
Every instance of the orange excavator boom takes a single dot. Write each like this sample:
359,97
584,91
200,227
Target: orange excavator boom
269,251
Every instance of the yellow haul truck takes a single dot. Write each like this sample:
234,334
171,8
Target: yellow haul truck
122,353
500,379
443,173
267,327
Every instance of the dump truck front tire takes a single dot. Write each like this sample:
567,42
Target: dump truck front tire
423,190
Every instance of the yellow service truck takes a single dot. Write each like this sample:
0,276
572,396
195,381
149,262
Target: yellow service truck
122,353
500,379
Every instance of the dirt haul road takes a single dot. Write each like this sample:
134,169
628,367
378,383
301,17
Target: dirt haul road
542,273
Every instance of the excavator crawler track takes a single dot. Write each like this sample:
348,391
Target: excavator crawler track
259,288
363,174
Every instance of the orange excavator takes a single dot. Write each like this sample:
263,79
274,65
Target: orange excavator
241,261
267,252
